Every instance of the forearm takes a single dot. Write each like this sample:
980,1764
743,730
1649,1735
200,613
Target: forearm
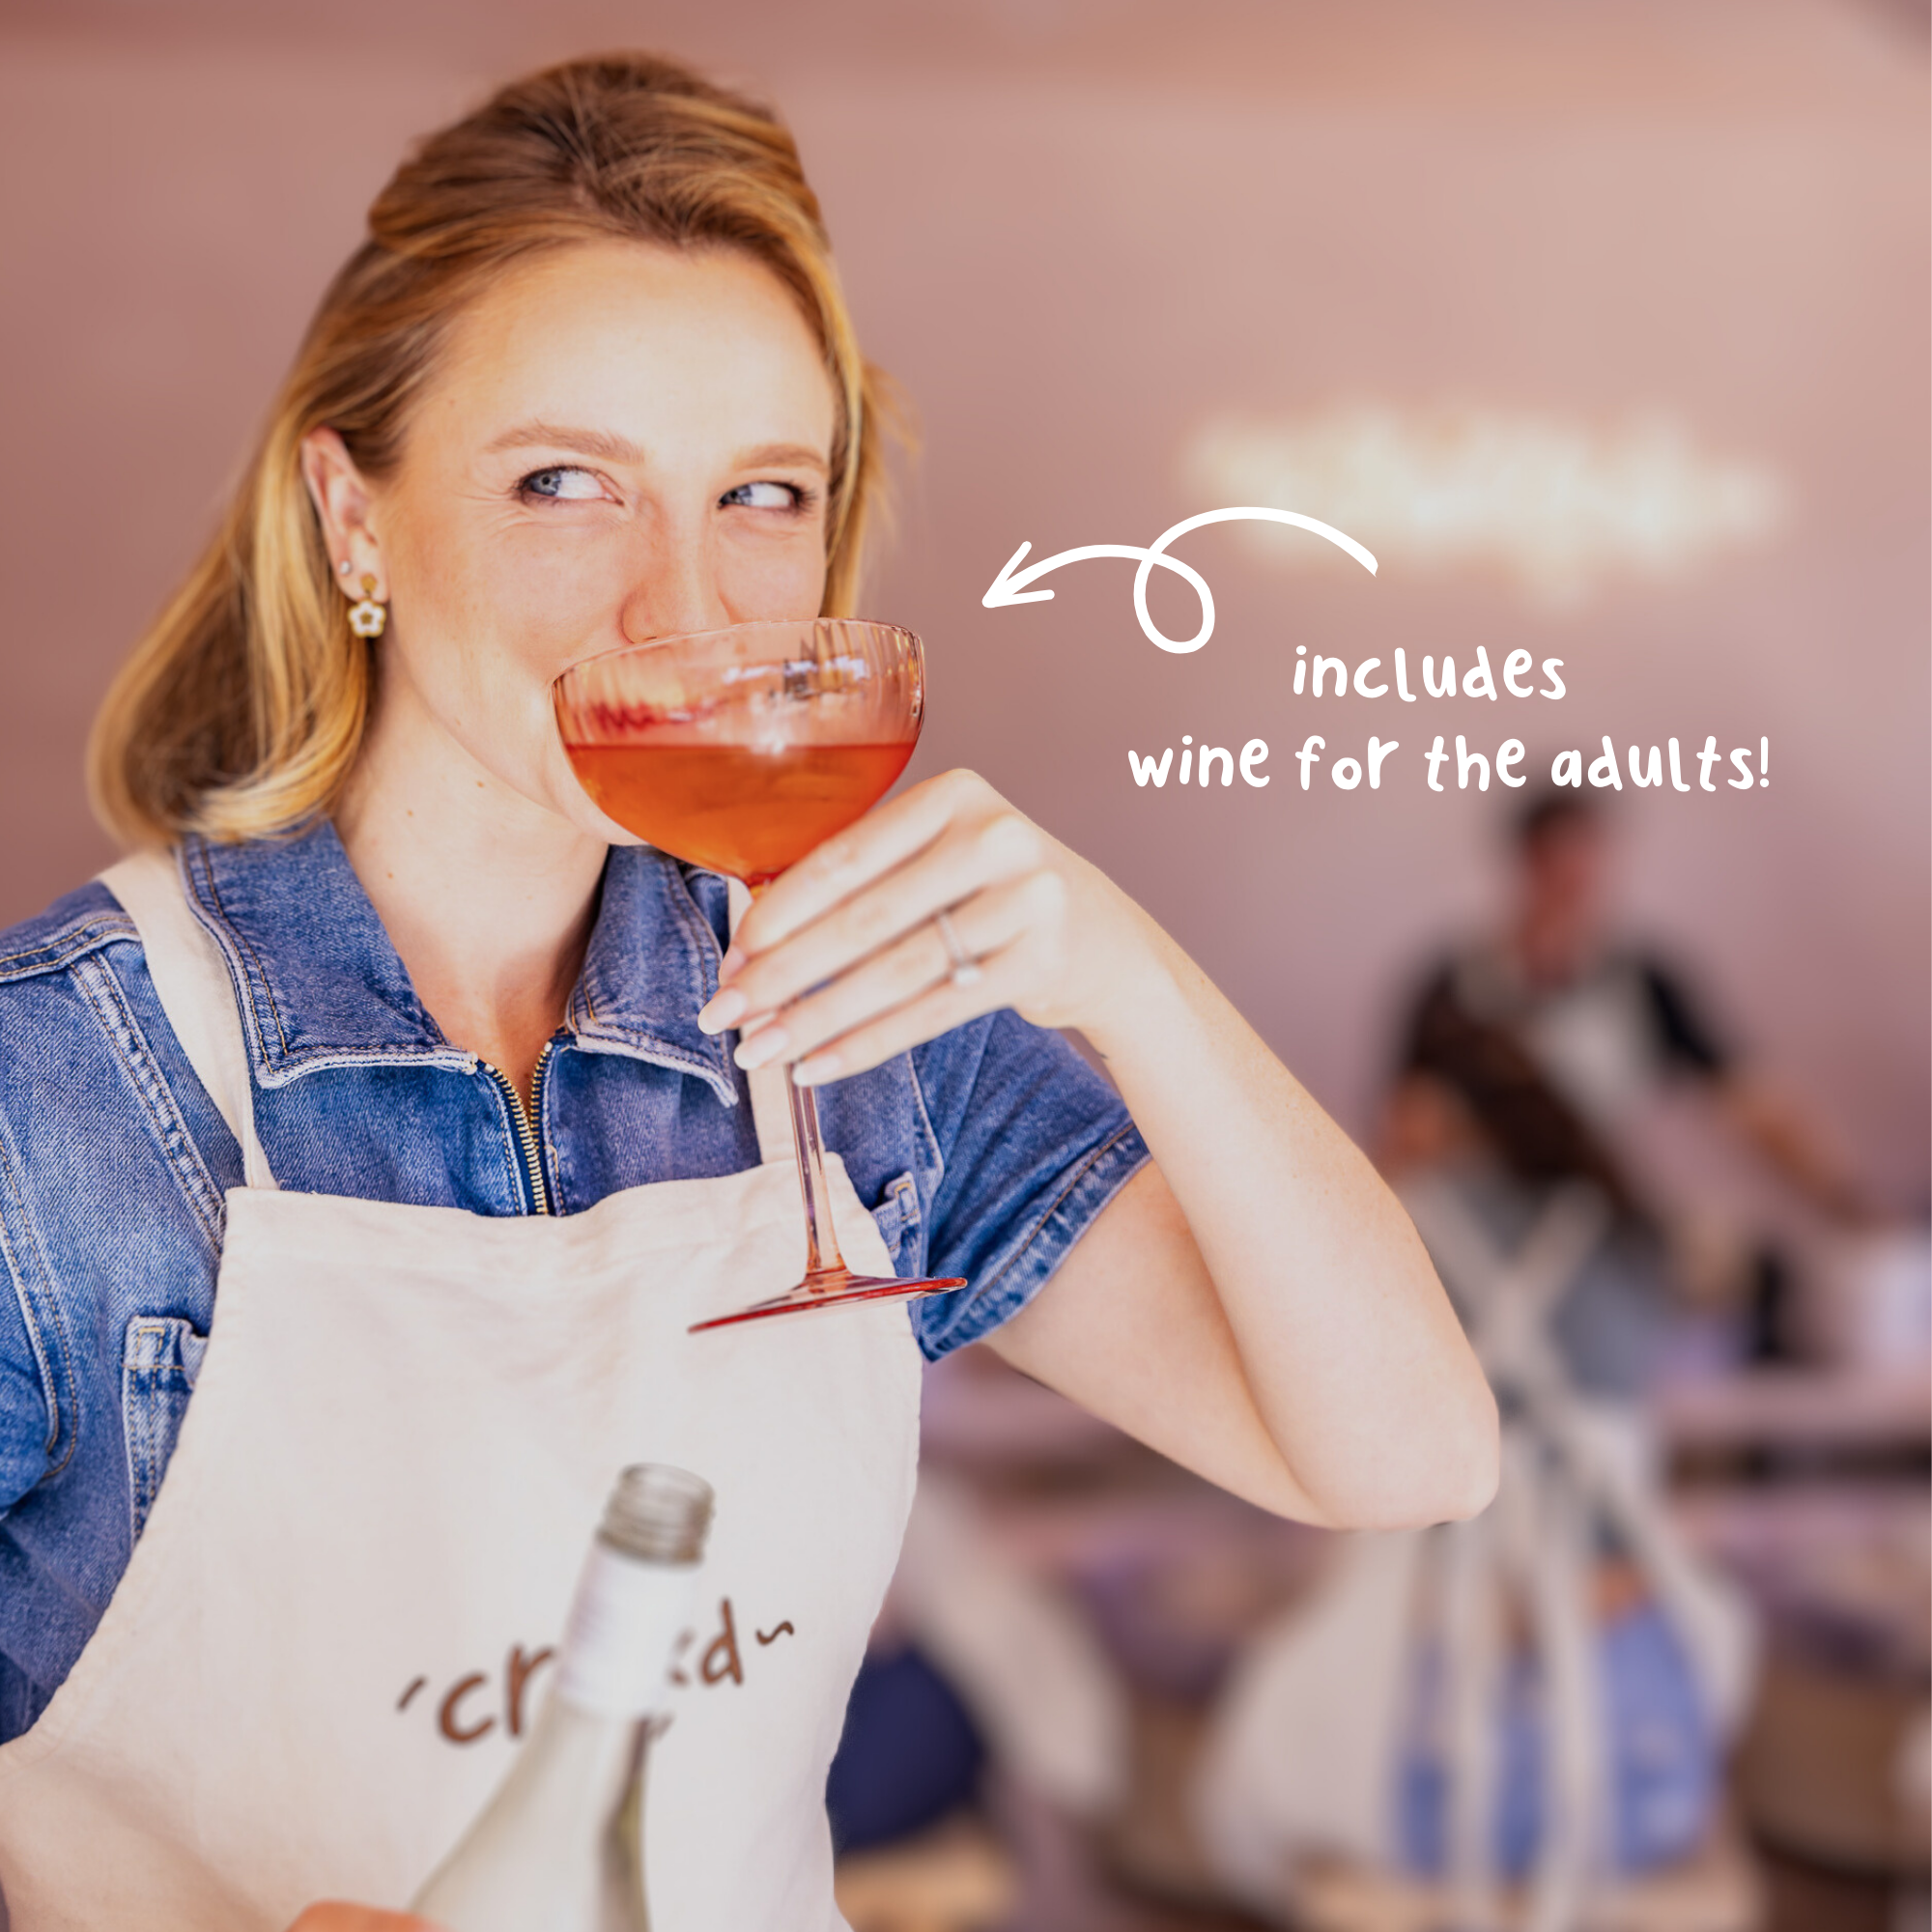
1355,1362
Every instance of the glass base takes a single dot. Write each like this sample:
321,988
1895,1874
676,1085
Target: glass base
834,1287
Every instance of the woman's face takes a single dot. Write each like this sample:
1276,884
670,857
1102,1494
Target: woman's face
621,442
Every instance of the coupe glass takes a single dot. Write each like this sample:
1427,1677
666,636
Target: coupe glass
740,751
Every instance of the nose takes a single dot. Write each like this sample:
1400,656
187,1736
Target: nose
675,586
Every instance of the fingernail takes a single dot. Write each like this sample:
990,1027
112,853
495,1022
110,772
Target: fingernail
762,1047
724,1010
730,966
815,1072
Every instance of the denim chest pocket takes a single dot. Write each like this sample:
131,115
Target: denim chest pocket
158,1366
897,1216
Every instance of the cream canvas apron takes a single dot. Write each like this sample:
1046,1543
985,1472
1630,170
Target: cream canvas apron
336,1624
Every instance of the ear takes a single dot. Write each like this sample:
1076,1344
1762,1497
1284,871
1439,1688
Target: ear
344,504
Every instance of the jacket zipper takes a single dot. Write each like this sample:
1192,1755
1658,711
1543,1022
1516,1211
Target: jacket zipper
527,1134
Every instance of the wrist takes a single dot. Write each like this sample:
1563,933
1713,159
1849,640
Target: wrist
1143,997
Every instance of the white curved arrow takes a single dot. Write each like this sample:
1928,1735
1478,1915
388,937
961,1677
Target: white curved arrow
1010,585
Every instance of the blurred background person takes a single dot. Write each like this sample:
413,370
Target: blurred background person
1554,1040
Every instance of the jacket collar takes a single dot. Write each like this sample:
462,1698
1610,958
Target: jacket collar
320,986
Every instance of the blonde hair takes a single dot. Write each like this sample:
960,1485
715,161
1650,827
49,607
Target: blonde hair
241,712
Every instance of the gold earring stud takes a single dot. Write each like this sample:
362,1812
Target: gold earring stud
368,618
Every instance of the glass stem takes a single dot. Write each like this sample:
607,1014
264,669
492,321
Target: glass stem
822,1257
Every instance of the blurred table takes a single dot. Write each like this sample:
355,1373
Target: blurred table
1813,1489
1817,1410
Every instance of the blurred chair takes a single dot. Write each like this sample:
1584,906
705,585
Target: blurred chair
910,1752
1446,1734
994,1662
1022,1658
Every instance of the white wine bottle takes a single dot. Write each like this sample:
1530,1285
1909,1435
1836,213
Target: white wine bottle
559,1848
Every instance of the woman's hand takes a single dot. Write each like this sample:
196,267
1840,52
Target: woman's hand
333,1916
842,962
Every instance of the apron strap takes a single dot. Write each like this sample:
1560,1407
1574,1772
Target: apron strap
771,1086
193,983
771,1111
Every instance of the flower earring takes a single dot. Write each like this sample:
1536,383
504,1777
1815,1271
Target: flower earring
367,617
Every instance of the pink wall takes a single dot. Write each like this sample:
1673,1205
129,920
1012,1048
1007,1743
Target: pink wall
1075,233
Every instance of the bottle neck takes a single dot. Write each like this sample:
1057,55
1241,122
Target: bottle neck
627,1616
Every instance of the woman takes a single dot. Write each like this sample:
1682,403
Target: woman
589,381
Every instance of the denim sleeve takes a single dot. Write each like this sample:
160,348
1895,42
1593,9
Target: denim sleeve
1033,1144
36,1372
113,1162
23,1404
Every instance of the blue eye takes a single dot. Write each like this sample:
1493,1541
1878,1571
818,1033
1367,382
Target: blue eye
766,497
564,485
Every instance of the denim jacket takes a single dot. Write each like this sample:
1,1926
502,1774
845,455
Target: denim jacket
985,1153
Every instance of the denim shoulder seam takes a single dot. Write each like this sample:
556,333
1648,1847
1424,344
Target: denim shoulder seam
62,948
105,994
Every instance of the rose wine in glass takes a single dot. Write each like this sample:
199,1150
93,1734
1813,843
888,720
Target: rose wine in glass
737,809
741,750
